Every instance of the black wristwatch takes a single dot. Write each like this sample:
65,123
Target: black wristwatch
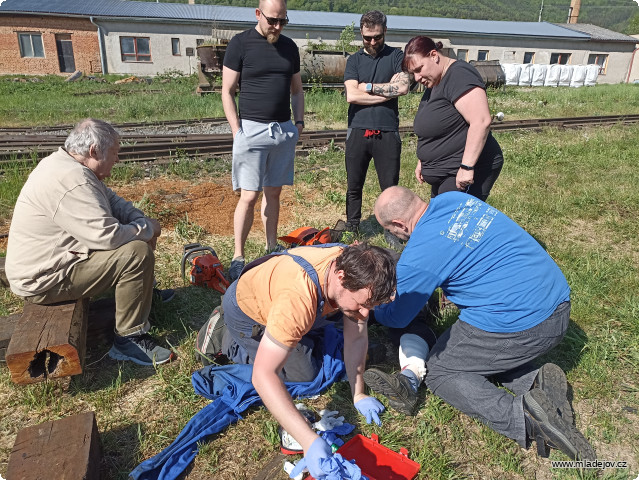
300,122
466,167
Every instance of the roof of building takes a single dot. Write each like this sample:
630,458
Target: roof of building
226,14
598,33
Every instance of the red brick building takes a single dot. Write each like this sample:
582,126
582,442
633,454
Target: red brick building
48,45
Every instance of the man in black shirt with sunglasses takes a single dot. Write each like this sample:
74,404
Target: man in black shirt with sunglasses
264,137
373,80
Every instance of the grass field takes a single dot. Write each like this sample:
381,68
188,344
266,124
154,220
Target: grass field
573,190
52,101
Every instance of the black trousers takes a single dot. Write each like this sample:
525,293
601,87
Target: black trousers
385,149
484,180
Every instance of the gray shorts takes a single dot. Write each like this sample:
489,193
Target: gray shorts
264,155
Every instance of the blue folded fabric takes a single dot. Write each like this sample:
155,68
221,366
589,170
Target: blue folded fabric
231,391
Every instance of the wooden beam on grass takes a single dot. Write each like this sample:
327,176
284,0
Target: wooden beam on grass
49,341
68,448
100,329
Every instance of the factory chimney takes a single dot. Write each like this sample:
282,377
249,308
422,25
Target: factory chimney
573,13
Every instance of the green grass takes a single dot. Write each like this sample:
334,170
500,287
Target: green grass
12,177
552,102
172,97
61,102
574,191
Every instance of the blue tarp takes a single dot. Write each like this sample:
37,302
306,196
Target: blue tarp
231,391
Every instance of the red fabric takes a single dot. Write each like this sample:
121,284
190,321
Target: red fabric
372,133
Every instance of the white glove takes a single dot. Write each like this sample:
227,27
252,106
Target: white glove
329,420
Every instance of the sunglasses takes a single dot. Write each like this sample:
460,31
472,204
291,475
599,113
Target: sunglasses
272,21
369,39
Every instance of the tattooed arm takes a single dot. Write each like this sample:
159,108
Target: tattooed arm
398,85
382,92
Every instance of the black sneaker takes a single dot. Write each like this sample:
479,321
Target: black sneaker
140,349
351,227
164,295
552,380
235,269
396,388
549,430
337,231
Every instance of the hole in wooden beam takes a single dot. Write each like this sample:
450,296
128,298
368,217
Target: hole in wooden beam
44,363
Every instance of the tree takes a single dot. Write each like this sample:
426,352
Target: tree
346,38
633,25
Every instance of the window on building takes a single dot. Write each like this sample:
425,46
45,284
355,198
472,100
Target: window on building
175,46
135,49
560,58
462,54
600,59
529,57
31,45
482,55
199,42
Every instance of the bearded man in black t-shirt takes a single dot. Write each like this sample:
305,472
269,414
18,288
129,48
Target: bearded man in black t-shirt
373,79
267,65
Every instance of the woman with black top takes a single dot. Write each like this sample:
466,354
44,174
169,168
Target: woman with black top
455,148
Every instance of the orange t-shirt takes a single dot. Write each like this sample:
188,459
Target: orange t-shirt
280,295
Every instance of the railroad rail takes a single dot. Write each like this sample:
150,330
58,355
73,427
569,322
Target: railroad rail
15,145
118,126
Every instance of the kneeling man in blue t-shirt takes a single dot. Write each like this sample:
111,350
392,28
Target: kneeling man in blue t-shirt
514,306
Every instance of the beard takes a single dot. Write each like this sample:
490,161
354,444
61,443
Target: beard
373,51
272,37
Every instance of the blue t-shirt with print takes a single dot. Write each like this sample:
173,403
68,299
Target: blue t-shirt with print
498,275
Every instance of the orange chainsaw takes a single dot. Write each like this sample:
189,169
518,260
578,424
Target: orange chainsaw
312,236
205,268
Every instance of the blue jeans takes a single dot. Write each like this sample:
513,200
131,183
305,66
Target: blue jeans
464,358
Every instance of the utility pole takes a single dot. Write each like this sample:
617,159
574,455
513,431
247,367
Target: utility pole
541,9
573,12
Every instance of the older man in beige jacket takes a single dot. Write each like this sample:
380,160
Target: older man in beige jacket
72,237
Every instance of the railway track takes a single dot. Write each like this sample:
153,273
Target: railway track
16,143
119,126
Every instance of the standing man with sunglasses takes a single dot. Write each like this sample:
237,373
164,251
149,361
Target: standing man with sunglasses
264,136
373,80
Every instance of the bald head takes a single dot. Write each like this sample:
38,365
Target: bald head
398,204
274,3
